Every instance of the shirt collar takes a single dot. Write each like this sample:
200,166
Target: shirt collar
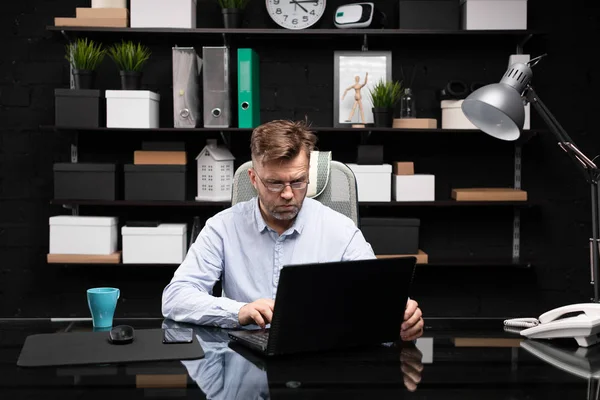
260,221
297,226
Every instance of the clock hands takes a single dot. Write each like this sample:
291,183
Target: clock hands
296,3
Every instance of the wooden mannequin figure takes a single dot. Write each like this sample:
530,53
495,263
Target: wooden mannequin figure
357,97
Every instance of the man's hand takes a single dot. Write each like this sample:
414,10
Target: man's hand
259,312
412,327
412,366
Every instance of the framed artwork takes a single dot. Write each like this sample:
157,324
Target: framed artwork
354,74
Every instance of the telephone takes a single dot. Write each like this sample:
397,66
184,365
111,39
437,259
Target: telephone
578,321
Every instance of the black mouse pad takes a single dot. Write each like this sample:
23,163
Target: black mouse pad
84,348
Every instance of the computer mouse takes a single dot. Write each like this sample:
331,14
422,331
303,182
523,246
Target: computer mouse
121,334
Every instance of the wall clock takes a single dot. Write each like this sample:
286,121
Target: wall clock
295,14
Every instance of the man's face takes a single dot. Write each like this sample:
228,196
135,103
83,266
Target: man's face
282,205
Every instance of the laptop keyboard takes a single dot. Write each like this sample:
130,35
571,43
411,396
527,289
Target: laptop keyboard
259,338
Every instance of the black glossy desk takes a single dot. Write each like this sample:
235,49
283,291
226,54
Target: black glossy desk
455,359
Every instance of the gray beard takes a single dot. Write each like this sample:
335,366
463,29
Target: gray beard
285,216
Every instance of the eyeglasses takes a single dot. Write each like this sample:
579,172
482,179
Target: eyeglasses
278,187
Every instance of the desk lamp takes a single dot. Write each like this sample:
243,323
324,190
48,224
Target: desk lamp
498,109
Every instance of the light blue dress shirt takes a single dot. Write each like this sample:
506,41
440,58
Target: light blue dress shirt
238,247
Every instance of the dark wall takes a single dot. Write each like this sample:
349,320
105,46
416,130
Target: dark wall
296,83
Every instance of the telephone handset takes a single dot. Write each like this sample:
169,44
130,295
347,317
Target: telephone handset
578,321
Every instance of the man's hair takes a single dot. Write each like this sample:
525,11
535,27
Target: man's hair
281,140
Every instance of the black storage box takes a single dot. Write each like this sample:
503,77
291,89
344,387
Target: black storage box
85,181
391,235
155,182
369,155
80,108
430,14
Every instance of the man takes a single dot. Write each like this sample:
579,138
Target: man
247,245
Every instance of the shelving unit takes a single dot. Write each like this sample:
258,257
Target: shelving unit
224,204
485,264
527,134
518,37
305,32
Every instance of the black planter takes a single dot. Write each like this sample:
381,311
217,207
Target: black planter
232,17
383,117
84,79
131,80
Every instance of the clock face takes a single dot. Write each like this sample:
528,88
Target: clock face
295,14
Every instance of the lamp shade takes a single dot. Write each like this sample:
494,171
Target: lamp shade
498,109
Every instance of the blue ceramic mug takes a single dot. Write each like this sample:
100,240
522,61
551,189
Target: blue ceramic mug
102,303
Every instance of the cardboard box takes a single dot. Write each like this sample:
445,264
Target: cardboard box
489,194
101,12
141,157
109,3
403,168
415,123
154,381
96,22
453,116
422,257
390,235
417,187
493,14
164,244
86,181
113,258
132,109
373,181
163,14
74,234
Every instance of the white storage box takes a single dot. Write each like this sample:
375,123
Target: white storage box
374,181
493,14
163,14
83,235
453,116
132,109
418,187
109,3
164,244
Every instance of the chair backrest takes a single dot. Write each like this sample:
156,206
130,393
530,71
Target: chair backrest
339,190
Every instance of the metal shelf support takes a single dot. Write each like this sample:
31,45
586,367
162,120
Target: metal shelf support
516,239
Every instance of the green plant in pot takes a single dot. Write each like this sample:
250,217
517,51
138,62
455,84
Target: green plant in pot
233,11
130,59
84,56
385,96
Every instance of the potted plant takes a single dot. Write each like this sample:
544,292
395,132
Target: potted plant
130,59
84,56
232,12
384,96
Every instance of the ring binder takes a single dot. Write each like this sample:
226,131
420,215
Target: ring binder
186,94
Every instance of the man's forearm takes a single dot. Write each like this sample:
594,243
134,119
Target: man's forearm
184,302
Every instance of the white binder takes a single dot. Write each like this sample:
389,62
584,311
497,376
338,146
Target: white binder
216,80
187,108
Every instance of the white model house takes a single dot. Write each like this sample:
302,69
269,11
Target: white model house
215,172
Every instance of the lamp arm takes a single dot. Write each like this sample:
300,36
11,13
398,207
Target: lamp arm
592,176
585,164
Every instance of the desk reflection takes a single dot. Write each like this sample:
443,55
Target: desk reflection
579,361
231,371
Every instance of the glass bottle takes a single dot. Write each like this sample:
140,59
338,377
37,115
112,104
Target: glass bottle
407,104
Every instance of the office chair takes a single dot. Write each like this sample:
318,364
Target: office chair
335,186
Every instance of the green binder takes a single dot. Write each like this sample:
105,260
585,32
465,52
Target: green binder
248,89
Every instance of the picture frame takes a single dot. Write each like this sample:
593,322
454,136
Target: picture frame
347,66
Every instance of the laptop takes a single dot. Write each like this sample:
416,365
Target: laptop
335,305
